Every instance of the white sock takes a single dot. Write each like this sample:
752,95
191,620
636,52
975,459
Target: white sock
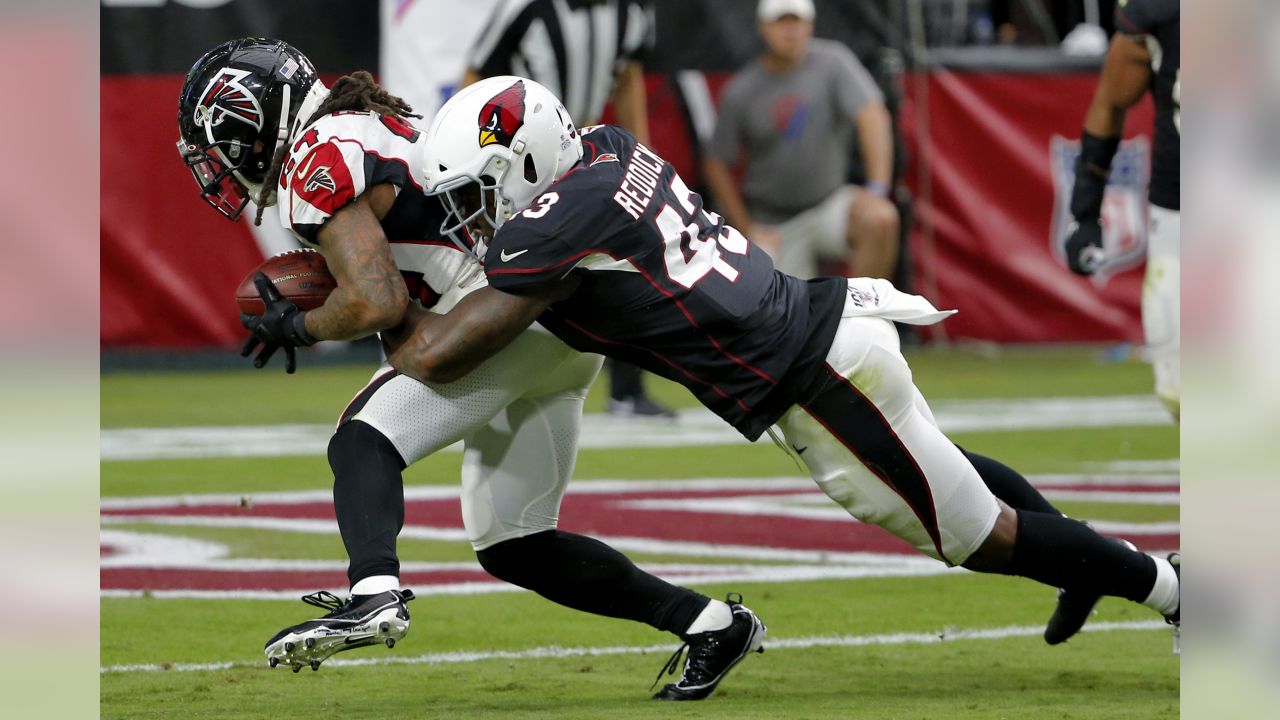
1164,595
375,584
717,615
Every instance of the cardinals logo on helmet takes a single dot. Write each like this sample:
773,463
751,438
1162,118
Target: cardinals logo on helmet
225,97
502,117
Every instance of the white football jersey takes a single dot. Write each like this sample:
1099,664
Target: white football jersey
340,155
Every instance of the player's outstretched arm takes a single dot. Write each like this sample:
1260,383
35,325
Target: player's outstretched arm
442,348
371,294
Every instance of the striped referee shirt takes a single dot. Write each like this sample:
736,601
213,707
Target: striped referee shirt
574,47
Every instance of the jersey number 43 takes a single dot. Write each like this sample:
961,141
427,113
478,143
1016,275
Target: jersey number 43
688,229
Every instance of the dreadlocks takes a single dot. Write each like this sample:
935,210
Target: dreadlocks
356,91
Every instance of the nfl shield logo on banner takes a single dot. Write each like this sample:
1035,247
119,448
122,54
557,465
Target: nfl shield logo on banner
1124,207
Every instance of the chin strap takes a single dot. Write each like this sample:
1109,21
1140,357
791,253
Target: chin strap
282,136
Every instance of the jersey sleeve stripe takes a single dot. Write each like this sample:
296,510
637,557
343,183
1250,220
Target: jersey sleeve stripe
689,317
850,414
684,310
665,360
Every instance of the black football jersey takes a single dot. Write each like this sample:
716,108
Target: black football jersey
1156,23
667,285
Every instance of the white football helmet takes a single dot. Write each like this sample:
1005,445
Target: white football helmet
495,147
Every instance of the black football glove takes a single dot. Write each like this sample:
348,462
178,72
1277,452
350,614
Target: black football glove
1084,247
281,325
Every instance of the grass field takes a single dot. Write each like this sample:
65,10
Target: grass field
921,644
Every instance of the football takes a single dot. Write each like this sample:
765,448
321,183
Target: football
300,275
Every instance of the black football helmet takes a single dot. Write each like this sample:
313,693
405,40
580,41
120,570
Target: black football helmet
239,102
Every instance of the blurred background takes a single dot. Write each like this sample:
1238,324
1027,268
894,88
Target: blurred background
987,100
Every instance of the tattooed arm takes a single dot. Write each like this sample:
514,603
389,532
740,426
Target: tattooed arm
442,348
371,294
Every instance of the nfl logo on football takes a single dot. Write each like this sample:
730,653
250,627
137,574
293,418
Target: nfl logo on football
1124,208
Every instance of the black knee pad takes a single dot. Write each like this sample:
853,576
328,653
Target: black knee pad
355,443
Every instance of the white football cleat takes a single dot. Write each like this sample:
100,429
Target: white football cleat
360,621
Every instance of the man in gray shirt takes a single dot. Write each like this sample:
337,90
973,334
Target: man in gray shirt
791,117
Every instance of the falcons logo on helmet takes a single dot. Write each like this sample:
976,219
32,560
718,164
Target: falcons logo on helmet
226,96
503,116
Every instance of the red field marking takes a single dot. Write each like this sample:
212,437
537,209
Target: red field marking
596,513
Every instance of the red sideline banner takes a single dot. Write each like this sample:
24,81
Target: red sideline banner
170,263
1001,151
1000,158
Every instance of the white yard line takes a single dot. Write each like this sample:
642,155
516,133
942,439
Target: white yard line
589,487
554,652
716,575
694,427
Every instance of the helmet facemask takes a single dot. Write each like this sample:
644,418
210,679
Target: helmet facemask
474,203
218,184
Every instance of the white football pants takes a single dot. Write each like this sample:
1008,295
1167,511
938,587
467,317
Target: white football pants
1161,304
872,445
518,415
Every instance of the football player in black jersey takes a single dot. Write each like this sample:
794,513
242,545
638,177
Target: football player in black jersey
1145,54
598,239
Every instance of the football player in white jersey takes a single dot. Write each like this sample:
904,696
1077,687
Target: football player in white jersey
343,166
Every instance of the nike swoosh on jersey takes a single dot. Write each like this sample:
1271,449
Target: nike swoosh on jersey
512,256
302,171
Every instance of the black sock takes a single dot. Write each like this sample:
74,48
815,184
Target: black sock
585,574
368,498
624,381
1066,553
1009,485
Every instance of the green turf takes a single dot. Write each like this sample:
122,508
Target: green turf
1029,451
1126,677
1125,512
1120,675
1102,675
317,395
1032,371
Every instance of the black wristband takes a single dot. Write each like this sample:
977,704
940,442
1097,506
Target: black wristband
1091,175
298,330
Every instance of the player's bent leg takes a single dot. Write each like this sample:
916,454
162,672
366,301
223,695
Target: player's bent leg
872,449
585,574
368,499
1161,306
395,421
1066,553
391,423
1008,484
514,477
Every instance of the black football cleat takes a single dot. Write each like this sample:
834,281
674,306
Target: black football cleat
1074,608
713,654
360,621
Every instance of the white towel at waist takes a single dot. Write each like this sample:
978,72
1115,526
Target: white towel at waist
875,297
